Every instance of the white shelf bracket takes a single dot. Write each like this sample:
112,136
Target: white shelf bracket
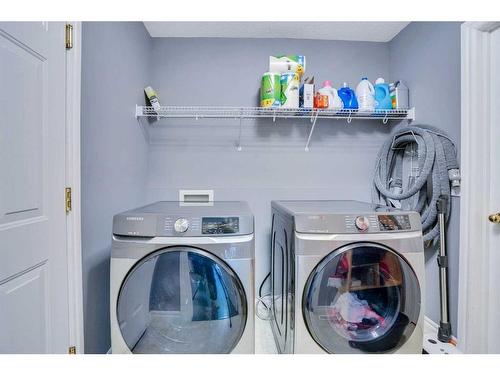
349,118
312,115
238,146
311,131
411,115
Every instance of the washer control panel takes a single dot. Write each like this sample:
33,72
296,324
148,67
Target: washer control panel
377,223
195,226
186,219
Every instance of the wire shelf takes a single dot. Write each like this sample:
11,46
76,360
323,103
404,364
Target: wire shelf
198,112
241,113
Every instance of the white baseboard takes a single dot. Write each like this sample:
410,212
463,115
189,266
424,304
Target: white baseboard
431,343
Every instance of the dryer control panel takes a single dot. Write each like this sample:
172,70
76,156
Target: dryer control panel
347,217
377,223
393,222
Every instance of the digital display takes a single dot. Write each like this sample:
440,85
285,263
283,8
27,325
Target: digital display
220,225
394,222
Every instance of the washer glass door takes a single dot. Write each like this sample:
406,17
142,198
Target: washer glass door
181,300
363,297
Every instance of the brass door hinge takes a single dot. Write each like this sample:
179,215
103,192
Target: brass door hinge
72,350
68,199
69,36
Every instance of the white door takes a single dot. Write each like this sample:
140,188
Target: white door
494,228
479,292
33,260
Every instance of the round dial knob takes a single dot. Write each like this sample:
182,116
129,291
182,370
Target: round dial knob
362,223
181,225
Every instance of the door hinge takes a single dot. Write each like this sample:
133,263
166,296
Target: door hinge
69,36
72,350
68,199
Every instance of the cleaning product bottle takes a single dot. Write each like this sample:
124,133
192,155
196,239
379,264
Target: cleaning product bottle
399,95
348,97
153,98
382,95
365,94
334,101
320,101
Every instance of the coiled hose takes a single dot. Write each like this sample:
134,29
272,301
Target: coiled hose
429,179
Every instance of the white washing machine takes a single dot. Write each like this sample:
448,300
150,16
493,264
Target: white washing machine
346,277
182,279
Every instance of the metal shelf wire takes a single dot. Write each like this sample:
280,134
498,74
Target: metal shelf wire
240,113
198,112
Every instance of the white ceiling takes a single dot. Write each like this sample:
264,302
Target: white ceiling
358,31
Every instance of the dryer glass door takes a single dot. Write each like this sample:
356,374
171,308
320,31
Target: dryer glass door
363,297
181,300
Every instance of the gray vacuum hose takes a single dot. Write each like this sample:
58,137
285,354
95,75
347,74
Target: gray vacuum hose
437,166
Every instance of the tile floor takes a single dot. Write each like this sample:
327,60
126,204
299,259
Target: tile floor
264,341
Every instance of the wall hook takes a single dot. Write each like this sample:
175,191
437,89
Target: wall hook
386,119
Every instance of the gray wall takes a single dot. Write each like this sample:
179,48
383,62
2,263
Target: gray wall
115,58
272,163
426,55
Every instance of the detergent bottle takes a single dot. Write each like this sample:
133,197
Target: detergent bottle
382,95
334,101
365,94
348,97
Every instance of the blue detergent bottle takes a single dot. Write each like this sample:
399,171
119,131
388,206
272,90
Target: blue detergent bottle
348,97
382,95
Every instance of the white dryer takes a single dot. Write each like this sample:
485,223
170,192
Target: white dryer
182,279
346,277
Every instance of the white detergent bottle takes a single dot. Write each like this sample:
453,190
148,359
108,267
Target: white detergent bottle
365,93
334,101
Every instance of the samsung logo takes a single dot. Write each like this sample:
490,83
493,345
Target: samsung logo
316,217
134,218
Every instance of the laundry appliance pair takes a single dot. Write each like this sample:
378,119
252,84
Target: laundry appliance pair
346,277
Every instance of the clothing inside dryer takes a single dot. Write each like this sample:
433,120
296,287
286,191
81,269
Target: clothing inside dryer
362,296
181,302
362,293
